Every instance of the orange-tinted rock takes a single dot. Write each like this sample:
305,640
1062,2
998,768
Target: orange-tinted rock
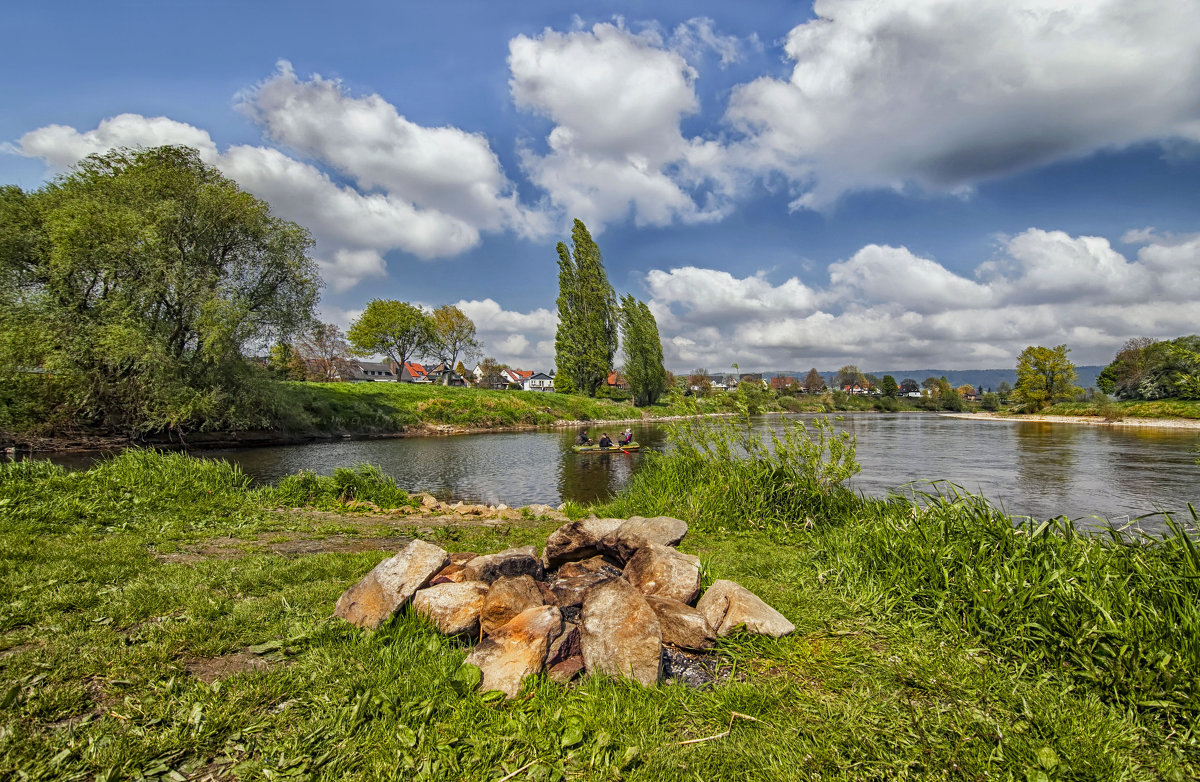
637,531
596,564
728,606
383,591
454,573
663,571
516,650
506,598
619,633
453,607
682,626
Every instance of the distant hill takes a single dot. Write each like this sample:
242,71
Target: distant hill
988,378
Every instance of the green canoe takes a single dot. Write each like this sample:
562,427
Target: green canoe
597,449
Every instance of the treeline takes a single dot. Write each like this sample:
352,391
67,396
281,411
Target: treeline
1147,369
398,330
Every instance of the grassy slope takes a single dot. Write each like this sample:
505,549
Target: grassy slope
1162,408
391,407
97,632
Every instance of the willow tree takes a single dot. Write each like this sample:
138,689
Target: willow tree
643,352
586,338
146,276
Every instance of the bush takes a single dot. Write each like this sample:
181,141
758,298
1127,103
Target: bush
365,483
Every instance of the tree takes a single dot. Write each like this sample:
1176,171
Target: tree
586,338
643,352
990,401
324,353
1003,390
698,382
849,376
1044,376
284,362
813,382
908,386
395,329
139,280
489,373
453,333
889,387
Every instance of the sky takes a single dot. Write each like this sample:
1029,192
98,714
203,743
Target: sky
888,183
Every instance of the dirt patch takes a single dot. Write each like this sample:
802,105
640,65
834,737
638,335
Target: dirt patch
234,548
209,669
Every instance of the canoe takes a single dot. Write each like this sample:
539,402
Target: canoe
597,449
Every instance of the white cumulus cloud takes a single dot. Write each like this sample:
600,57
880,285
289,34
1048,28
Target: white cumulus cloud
945,94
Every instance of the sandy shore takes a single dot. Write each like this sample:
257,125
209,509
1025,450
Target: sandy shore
1094,420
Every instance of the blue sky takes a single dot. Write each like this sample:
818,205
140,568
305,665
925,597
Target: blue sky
897,183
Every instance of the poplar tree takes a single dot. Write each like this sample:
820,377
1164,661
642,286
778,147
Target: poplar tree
643,352
586,338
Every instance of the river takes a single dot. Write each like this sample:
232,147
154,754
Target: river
1029,468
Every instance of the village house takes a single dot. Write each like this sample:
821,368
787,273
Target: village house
414,373
539,381
368,372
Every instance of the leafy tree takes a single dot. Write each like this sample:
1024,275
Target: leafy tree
1146,369
643,352
849,376
889,386
698,382
932,385
284,362
462,372
1004,390
813,382
136,283
489,371
908,386
1044,376
453,333
395,329
990,401
324,353
586,338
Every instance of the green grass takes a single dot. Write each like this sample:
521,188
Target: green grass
1162,408
917,652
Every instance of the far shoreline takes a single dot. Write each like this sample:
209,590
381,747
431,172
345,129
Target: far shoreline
1092,420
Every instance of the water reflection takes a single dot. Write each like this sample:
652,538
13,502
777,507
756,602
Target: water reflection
1046,460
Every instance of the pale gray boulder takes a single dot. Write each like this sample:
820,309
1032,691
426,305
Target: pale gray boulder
453,608
619,633
665,572
382,592
729,606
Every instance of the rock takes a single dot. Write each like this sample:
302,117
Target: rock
548,596
453,573
663,571
619,633
571,591
682,626
566,645
563,672
516,650
506,598
728,606
453,608
577,540
597,564
511,562
427,500
382,592
625,540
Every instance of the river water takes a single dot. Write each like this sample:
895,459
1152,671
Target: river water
1028,468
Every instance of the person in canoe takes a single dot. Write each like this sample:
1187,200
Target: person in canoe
583,438
605,441
626,437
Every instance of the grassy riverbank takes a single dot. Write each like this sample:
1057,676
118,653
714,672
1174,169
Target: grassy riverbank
1161,408
161,617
